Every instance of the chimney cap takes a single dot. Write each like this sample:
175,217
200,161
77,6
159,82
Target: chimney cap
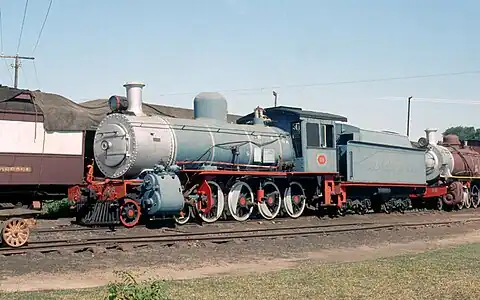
134,84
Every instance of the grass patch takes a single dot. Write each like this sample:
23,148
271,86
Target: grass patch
443,274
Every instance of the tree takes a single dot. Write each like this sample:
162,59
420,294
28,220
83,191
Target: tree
464,132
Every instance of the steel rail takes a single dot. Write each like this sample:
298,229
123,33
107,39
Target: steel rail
46,231
215,236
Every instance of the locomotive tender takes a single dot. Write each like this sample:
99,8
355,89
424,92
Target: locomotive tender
275,160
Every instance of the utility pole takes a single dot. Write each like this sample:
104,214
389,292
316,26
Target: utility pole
275,100
16,65
408,115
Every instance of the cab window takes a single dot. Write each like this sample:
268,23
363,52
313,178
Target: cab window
296,133
329,136
313,135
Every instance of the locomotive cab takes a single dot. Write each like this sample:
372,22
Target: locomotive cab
312,135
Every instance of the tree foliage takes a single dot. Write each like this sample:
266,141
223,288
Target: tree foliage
464,132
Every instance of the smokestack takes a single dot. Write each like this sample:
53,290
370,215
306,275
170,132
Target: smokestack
432,136
134,97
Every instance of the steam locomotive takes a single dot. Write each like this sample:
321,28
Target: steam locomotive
278,160
455,166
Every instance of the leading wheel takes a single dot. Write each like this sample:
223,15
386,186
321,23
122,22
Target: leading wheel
130,213
184,215
15,232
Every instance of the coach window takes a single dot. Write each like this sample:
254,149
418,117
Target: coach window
313,135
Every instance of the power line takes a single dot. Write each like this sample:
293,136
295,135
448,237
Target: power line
1,47
36,74
17,58
433,100
43,25
261,89
23,74
23,23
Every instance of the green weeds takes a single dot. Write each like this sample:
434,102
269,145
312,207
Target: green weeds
129,289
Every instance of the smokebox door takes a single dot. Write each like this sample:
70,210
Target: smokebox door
113,144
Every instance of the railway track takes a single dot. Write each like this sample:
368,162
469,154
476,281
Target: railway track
79,228
217,236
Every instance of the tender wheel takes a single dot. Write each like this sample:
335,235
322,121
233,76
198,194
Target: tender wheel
386,207
184,216
474,197
240,200
294,200
270,207
15,232
218,206
130,213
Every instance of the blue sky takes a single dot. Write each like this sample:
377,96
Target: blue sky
90,48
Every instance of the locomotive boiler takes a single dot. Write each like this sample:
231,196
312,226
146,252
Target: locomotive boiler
129,143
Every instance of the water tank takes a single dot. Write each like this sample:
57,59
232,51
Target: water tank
208,105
